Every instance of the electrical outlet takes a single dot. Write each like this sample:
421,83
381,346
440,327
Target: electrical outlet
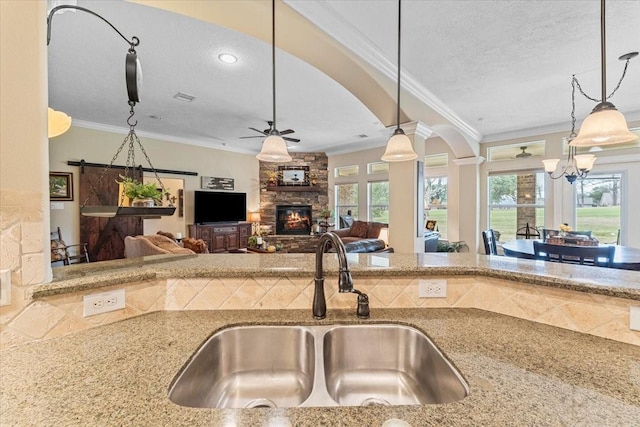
634,318
103,302
435,288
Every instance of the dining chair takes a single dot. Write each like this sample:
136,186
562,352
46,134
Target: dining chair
489,239
68,254
601,256
580,233
528,232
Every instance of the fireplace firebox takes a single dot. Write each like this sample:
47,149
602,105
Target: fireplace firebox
293,219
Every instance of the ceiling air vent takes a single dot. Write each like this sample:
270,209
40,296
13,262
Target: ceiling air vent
184,97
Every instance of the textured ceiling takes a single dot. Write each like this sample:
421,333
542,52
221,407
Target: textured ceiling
501,67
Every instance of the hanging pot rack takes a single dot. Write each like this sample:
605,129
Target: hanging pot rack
133,77
105,211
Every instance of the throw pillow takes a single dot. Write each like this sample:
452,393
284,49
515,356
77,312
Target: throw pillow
359,229
58,250
374,229
167,234
198,246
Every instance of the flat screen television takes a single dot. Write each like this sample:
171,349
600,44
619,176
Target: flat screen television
218,206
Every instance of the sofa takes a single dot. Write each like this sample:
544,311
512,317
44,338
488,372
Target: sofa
154,244
363,236
431,239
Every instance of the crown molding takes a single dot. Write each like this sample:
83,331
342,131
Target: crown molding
211,144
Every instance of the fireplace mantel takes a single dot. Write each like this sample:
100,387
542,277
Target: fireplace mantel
293,188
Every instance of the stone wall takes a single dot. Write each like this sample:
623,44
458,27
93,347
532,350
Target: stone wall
316,195
526,191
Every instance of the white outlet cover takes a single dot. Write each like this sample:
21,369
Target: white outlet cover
634,318
103,302
432,288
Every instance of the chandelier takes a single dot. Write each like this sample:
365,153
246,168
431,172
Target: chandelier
579,165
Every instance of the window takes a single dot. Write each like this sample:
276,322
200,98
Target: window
347,200
345,171
598,200
435,202
379,201
378,167
436,161
515,200
517,151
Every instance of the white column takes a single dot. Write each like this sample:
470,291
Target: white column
405,223
468,202
24,147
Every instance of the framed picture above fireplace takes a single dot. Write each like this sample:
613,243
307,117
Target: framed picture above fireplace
297,176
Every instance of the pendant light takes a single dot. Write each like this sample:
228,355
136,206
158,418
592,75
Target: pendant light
605,125
58,122
274,148
399,147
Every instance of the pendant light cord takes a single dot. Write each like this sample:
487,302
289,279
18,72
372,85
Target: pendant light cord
273,58
603,52
398,94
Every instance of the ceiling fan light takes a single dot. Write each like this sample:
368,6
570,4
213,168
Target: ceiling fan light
604,126
399,148
58,122
274,149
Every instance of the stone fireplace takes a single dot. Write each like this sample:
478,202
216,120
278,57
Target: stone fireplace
293,219
314,197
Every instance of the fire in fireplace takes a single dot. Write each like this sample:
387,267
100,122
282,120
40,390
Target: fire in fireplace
293,219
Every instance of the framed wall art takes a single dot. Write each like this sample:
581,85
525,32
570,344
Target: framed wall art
61,186
293,176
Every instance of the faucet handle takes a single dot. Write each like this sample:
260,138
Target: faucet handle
363,306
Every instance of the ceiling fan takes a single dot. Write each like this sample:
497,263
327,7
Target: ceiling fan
267,132
523,154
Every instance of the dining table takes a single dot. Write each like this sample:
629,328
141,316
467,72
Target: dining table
626,258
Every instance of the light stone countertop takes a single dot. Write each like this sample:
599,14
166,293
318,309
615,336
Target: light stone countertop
604,281
519,373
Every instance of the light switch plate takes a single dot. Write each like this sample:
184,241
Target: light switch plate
634,318
57,205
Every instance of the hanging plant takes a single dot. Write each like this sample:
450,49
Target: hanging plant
136,190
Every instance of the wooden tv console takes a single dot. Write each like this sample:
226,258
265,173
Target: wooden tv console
223,236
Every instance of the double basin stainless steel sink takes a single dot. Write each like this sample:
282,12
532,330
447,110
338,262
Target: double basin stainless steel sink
303,366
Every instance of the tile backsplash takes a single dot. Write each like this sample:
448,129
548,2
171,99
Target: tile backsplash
56,316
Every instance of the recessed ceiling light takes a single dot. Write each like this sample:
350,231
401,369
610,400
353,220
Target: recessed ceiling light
227,58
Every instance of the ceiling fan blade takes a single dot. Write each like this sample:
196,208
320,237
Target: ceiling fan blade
259,131
286,132
245,137
291,139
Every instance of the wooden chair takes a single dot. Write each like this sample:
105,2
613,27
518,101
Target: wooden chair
68,254
601,256
489,238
